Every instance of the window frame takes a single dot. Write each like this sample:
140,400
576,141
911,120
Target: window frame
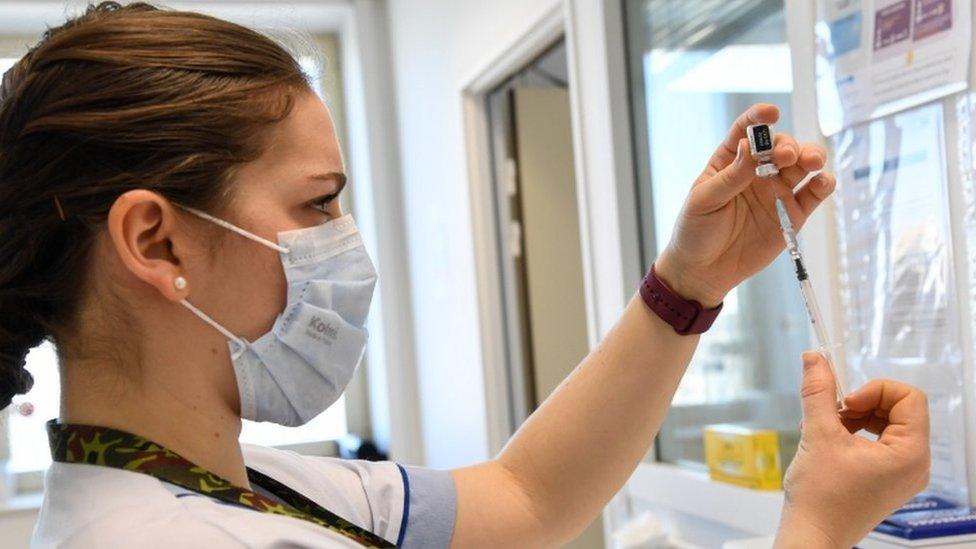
637,39
703,504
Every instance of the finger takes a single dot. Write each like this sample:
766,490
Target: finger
818,394
875,424
871,423
791,176
760,113
811,195
714,192
813,157
877,396
787,151
903,408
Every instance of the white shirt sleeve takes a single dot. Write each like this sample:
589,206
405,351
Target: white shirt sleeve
429,509
410,506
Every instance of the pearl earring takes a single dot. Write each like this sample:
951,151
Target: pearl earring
179,283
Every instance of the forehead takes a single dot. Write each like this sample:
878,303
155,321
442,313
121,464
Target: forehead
306,138
302,144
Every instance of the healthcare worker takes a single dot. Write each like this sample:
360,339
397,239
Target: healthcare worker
169,218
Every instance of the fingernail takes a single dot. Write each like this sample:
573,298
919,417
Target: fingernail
810,358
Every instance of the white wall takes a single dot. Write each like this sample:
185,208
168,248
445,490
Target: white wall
435,45
17,525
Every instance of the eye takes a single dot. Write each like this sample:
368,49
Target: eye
322,203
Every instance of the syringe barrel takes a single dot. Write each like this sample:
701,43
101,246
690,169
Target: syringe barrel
820,331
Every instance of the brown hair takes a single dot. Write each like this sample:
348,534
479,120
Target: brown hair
118,98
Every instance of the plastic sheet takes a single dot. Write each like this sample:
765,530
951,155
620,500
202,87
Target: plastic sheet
877,57
901,314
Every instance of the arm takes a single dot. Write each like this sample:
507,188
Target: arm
582,444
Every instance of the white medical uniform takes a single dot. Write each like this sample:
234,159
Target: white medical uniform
91,506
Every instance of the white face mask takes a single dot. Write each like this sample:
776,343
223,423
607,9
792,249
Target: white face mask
301,367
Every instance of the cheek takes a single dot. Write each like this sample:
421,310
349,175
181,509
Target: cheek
254,290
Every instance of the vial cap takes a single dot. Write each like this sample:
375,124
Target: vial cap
767,170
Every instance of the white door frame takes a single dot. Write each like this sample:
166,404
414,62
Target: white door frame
604,167
488,261
378,202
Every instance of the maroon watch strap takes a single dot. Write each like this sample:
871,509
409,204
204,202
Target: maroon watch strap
686,317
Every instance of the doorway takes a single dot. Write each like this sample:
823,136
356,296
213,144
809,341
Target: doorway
538,234
535,207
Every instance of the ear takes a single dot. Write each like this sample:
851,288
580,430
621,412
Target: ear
142,227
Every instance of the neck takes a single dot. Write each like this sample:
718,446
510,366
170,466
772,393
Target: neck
181,413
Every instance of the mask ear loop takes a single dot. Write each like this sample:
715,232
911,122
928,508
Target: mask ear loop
234,228
241,344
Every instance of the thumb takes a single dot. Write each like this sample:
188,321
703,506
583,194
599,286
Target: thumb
716,191
819,392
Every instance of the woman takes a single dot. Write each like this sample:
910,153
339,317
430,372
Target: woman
168,217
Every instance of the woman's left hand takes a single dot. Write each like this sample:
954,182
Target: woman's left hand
841,485
728,229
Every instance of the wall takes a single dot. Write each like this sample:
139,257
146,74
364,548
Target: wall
431,57
17,525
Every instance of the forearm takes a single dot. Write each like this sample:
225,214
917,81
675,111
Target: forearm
584,442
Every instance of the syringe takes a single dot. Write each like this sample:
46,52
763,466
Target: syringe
806,289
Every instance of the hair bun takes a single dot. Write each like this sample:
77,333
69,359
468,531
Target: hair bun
14,379
14,346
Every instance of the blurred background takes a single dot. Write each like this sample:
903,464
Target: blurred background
516,167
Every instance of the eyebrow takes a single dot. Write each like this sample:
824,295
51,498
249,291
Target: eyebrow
338,177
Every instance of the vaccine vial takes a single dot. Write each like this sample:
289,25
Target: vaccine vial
761,141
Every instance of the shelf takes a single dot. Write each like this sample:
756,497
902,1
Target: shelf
754,511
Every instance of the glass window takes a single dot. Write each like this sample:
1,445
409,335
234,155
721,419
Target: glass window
28,447
694,66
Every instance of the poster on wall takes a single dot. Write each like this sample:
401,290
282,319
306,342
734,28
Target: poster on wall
901,313
878,57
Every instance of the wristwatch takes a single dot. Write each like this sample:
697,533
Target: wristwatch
687,317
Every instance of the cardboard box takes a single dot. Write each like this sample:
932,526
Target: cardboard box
744,456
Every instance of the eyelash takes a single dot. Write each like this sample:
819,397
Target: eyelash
321,204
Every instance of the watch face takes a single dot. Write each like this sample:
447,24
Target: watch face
762,138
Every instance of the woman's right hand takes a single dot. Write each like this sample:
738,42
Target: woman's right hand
841,485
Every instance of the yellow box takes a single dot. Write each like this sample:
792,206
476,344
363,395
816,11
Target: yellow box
744,456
